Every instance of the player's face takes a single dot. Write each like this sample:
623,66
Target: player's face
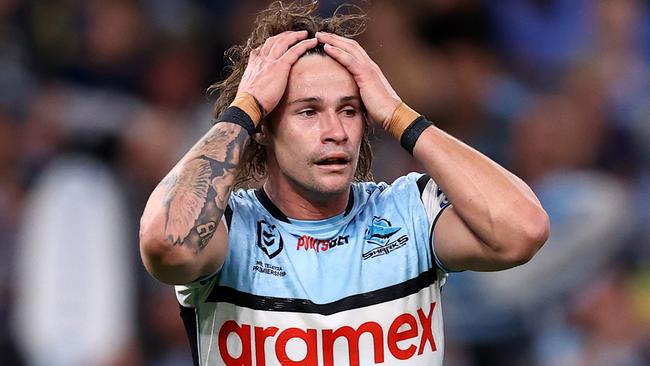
317,128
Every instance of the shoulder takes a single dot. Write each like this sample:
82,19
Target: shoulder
242,197
408,184
402,194
243,202
409,191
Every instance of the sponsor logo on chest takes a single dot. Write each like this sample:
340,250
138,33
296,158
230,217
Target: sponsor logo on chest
309,243
407,336
380,233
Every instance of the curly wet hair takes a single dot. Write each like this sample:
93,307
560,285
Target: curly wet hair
347,21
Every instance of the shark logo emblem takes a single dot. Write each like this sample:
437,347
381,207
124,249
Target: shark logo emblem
379,231
269,239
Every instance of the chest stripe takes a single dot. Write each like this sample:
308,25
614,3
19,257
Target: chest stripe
269,303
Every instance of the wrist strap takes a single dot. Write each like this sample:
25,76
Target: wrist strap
247,103
244,111
406,125
412,133
402,117
237,116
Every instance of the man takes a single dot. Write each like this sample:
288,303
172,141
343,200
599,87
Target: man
312,268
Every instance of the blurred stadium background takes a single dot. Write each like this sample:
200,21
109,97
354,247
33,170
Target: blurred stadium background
99,98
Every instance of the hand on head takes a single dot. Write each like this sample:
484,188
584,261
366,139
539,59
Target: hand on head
379,97
268,67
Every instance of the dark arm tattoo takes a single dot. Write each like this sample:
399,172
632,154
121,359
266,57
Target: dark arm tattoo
197,194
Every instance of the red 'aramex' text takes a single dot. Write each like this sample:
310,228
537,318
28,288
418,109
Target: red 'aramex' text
404,327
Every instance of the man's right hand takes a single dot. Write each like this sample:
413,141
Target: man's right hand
268,67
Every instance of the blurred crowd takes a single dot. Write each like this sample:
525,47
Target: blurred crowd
99,98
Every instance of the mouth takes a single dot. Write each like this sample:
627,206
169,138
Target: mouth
335,161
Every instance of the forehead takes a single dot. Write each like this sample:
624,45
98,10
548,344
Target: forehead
320,76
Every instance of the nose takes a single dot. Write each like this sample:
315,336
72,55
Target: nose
333,129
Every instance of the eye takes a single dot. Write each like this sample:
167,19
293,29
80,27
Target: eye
349,112
307,112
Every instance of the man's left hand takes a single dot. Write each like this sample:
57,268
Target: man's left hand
379,97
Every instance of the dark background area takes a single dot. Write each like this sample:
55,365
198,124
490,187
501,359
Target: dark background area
99,98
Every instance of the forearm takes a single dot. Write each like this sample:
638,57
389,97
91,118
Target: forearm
185,210
496,205
197,189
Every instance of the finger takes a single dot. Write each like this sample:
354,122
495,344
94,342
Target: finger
293,54
343,57
255,52
346,44
271,41
282,44
268,44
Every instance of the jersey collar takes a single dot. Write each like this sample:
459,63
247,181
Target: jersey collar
264,199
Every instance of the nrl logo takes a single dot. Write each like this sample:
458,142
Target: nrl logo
269,239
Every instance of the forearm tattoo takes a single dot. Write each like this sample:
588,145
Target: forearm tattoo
197,194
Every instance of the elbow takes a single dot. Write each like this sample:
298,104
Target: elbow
162,259
537,230
153,248
533,233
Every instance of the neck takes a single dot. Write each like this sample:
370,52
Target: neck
297,203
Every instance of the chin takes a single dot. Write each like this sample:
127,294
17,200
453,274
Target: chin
333,185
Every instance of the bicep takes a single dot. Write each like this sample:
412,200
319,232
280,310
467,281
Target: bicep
458,248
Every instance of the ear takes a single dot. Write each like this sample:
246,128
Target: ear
262,137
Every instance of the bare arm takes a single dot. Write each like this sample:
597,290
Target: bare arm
496,221
182,235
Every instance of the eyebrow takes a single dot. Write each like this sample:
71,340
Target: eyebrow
318,100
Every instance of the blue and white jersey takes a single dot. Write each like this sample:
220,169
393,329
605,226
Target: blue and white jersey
362,287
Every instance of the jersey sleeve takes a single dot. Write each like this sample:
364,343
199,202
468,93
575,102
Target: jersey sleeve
190,294
189,297
435,202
